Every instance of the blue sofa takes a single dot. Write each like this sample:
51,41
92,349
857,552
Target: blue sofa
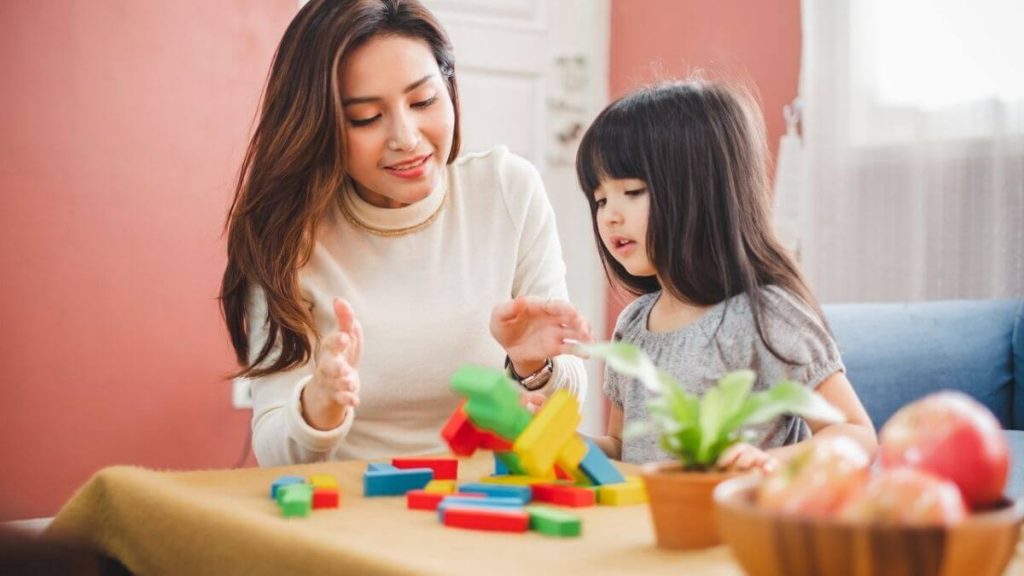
896,353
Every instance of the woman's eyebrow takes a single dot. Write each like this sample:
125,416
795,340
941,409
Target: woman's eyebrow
366,99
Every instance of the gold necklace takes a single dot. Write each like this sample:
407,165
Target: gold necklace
347,213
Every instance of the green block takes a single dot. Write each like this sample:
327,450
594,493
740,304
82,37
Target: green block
554,522
295,500
492,400
511,461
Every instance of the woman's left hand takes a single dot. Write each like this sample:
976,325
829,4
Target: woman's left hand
532,330
743,457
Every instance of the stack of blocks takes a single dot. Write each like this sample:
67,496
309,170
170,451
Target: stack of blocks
296,497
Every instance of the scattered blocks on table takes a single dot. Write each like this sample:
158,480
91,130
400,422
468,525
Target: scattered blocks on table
395,482
440,487
563,495
553,522
283,481
295,499
323,481
545,437
523,493
632,491
326,497
444,468
488,519
598,468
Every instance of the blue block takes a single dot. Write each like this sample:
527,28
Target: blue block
395,482
598,467
379,466
283,481
521,493
499,466
462,502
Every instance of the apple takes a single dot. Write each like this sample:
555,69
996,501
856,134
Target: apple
818,480
906,496
952,436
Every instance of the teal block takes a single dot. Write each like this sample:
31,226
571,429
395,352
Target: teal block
523,493
283,481
598,467
509,462
461,502
395,482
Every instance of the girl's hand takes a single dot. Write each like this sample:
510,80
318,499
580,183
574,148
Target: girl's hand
334,388
532,400
742,457
532,330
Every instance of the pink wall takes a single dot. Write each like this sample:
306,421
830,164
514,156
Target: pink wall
122,126
660,39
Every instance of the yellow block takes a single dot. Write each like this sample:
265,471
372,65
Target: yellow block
547,433
440,487
632,491
572,454
323,481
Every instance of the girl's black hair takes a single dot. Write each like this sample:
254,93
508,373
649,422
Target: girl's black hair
700,148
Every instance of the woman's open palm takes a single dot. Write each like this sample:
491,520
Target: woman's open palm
532,329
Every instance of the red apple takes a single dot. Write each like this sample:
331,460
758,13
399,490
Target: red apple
951,436
906,496
818,480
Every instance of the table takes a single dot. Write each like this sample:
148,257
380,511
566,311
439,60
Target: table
224,522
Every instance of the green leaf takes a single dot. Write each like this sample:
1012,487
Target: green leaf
788,397
719,407
627,360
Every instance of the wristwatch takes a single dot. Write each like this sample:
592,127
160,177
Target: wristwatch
531,381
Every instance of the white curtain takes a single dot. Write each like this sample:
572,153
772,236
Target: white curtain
909,181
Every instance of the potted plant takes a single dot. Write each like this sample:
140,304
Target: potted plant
696,431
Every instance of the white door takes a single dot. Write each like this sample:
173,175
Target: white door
532,74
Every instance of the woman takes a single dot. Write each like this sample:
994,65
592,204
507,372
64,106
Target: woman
351,202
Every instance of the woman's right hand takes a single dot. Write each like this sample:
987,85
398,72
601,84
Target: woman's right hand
334,388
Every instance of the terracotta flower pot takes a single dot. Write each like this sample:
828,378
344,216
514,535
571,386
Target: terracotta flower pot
682,508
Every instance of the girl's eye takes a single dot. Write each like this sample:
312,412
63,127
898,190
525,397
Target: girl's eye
600,202
636,192
363,121
425,103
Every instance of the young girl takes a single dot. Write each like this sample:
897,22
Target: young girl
677,179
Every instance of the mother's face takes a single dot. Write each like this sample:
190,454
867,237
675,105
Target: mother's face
399,118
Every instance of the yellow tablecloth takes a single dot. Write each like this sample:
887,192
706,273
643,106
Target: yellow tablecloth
224,522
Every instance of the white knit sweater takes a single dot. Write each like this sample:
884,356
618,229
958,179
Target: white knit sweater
424,301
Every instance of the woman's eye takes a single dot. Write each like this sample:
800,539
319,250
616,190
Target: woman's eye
425,103
363,121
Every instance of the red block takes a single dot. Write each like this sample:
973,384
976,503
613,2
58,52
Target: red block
461,435
326,498
563,495
444,468
483,519
491,441
423,500
562,474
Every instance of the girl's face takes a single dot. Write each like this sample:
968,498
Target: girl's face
399,118
622,208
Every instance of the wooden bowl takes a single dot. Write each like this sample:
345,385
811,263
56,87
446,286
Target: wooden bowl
773,544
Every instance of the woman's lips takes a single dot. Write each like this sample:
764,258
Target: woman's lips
410,169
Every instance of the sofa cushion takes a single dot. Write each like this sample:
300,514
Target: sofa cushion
1018,371
897,353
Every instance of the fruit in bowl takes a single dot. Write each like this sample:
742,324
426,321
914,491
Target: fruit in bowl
816,482
905,496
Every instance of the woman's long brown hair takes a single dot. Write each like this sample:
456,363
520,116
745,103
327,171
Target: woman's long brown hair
295,167
700,147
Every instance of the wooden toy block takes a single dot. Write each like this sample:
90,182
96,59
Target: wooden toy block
632,491
326,497
295,500
395,482
488,519
444,468
563,495
515,480
598,468
500,468
283,481
553,522
379,466
491,441
323,481
492,400
511,462
523,493
462,437
546,435
573,452
423,500
477,501
440,487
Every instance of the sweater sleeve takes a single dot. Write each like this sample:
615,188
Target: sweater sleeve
280,435
540,270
